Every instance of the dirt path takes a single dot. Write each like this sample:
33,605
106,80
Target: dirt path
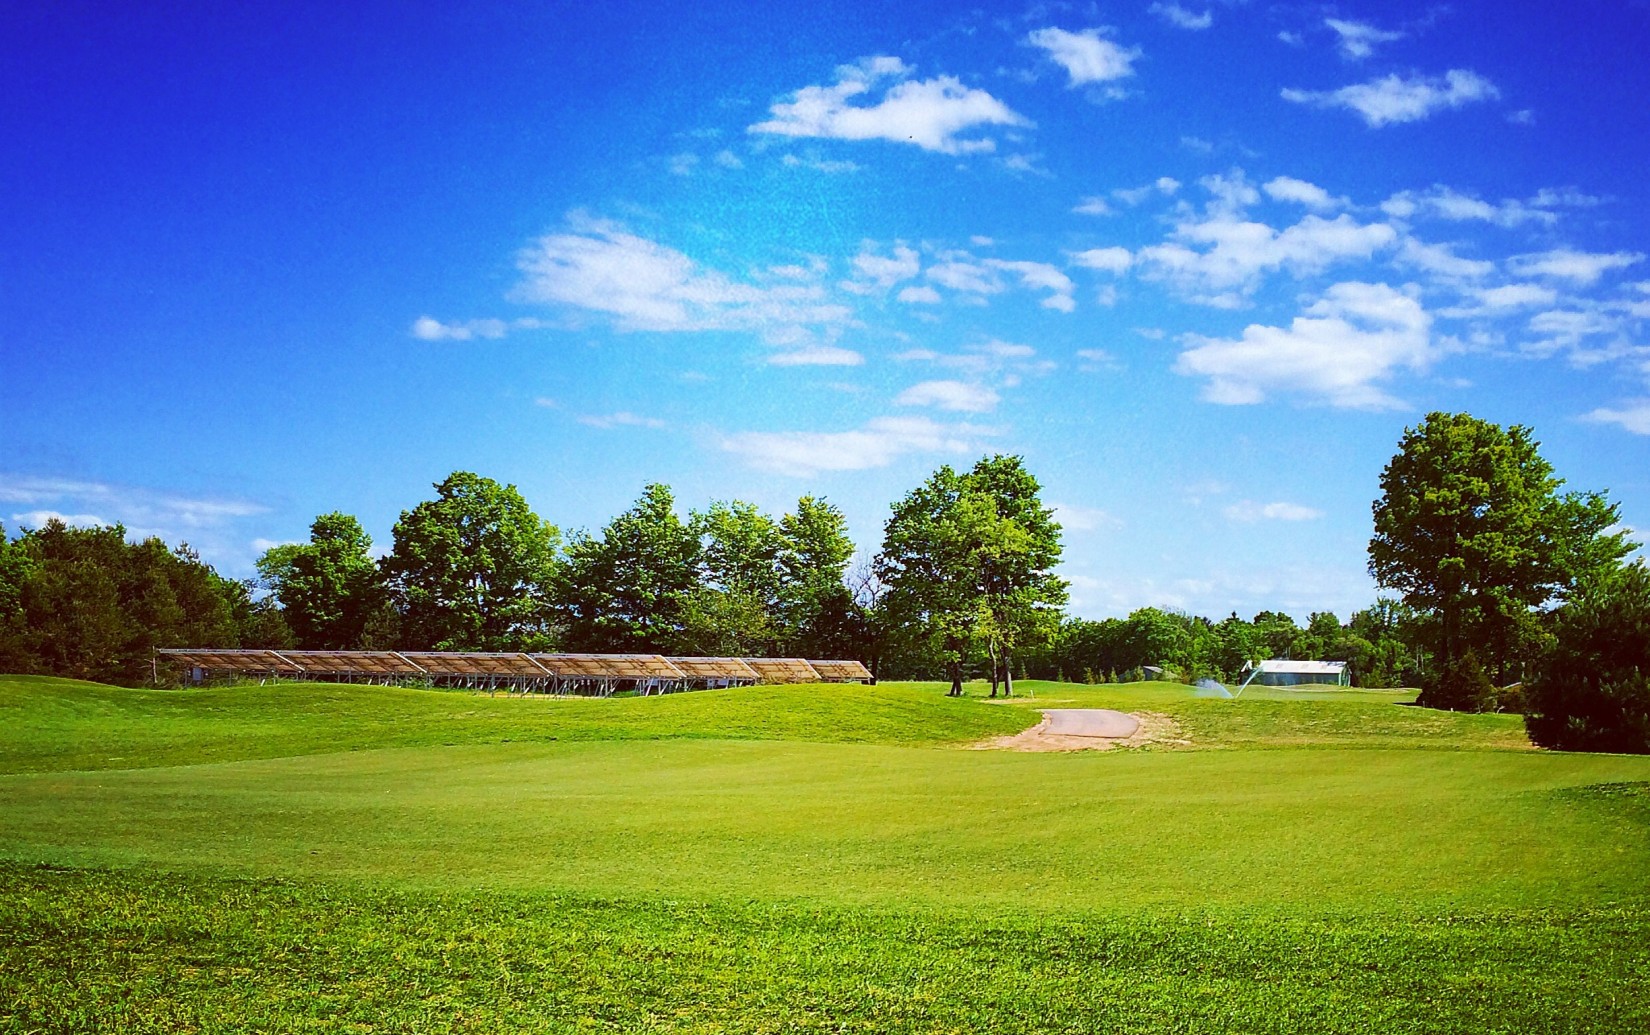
1090,729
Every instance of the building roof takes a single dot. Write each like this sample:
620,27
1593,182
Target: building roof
1302,668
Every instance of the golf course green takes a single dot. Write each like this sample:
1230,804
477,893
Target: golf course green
324,857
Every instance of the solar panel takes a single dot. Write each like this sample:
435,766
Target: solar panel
231,660
714,668
609,666
476,663
840,671
782,670
352,663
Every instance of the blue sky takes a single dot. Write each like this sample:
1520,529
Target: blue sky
1200,263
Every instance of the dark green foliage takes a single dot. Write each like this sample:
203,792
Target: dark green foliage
1471,528
1592,690
104,951
968,560
86,603
1458,685
471,569
625,590
328,588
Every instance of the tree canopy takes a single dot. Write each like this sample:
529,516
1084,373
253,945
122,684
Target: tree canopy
329,587
1471,528
473,569
1591,691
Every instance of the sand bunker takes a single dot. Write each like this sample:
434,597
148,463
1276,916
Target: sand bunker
1090,729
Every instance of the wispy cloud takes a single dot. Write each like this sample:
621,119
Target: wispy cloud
1633,416
600,266
1337,351
1396,99
1567,264
956,396
1074,518
1357,40
817,356
878,443
621,419
1287,188
929,113
1248,511
1180,17
1447,203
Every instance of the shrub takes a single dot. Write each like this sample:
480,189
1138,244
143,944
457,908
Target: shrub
1591,691
1459,685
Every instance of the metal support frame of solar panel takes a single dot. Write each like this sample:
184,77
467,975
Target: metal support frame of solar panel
603,673
783,670
716,672
838,671
265,664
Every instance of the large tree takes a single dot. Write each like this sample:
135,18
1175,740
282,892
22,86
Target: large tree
816,607
329,587
472,569
1472,529
626,589
968,561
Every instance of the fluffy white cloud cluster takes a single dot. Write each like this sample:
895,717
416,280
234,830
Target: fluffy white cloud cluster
929,113
1357,40
1218,260
1087,56
602,267
1354,336
956,396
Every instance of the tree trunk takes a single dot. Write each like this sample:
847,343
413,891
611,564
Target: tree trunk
991,654
1008,674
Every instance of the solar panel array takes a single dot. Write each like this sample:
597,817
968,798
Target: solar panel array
600,672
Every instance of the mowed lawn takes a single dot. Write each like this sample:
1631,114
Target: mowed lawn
829,858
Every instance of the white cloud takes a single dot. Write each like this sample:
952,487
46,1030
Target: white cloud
428,328
1248,510
1450,204
1357,40
602,267
1040,276
40,518
1634,416
728,160
1009,360
919,294
1220,259
1354,336
1093,206
1439,259
929,113
824,165
1112,260
1515,296
621,419
817,356
1176,15
957,396
1566,264
1074,518
878,272
967,277
1164,185
878,443
1394,99
682,164
1086,56
1094,360
263,546
1287,188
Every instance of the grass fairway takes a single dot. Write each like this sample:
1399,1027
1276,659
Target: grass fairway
335,858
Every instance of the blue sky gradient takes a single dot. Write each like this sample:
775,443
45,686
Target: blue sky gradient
1199,263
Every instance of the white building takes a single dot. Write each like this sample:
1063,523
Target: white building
1282,672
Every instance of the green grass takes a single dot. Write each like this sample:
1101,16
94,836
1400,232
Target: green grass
344,858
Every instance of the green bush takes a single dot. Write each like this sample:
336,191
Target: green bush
1459,685
1592,689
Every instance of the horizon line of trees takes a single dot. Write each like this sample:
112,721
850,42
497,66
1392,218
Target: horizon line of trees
1501,577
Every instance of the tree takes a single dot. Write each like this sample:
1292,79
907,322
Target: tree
472,569
1472,530
968,561
329,587
1591,692
624,590
816,607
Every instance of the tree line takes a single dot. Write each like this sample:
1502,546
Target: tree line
1511,593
